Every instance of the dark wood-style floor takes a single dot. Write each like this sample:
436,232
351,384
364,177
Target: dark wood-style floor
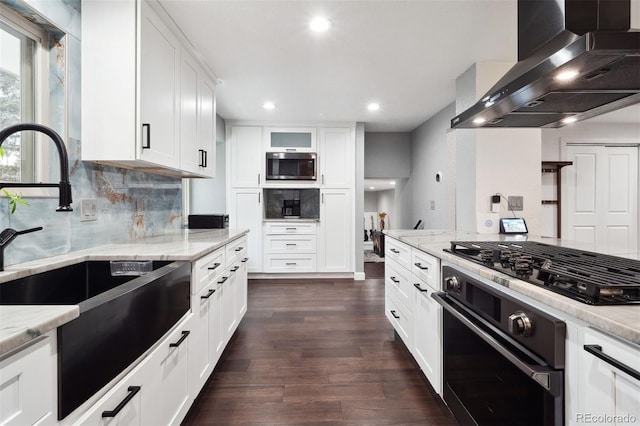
317,352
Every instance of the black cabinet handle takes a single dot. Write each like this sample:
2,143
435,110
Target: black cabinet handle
206,160
211,291
393,313
133,390
223,280
419,265
215,265
239,249
394,251
200,158
148,129
291,244
596,350
416,285
394,280
290,263
235,268
185,334
244,260
291,229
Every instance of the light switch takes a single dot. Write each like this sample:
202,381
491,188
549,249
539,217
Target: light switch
516,202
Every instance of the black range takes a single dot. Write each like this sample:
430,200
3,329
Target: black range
592,278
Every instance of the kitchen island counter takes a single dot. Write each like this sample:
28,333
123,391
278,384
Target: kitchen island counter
620,321
21,324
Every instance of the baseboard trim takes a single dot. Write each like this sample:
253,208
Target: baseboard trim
358,276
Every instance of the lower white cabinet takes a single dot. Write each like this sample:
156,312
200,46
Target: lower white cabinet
201,349
27,386
335,237
246,205
427,334
609,386
227,285
243,289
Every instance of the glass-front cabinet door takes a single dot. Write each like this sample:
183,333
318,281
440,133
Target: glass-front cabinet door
279,139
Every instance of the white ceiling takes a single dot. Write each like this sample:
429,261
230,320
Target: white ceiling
405,55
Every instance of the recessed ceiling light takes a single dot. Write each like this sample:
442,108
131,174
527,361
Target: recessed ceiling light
372,187
269,105
373,106
479,120
319,24
393,182
569,120
567,75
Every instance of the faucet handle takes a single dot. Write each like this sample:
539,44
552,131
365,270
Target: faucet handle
7,235
26,231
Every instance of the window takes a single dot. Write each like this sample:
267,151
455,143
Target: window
21,59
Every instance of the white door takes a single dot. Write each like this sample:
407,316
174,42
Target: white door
601,197
246,213
159,83
335,236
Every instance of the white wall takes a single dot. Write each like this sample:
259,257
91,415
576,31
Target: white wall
386,204
428,157
387,155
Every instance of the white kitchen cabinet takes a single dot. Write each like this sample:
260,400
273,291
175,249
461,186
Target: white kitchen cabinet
247,157
608,394
202,352
166,398
287,139
336,157
398,277
197,119
290,247
243,289
246,213
132,85
427,328
227,284
399,316
27,385
122,405
335,236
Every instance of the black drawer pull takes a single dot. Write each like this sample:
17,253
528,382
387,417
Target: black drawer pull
235,268
596,350
206,160
244,260
185,334
133,390
290,263
419,265
215,266
394,251
211,291
239,248
394,314
223,280
416,285
394,280
291,229
148,144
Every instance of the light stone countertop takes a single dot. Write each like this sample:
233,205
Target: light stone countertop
621,321
21,324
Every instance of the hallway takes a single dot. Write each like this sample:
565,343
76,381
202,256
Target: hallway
317,352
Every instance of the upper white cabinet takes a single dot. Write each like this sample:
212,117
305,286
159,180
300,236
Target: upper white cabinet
247,157
336,157
144,103
296,139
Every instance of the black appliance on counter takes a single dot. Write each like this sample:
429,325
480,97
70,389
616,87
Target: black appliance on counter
503,360
291,165
291,208
592,278
208,221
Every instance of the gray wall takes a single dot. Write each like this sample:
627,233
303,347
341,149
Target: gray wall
428,156
370,201
387,155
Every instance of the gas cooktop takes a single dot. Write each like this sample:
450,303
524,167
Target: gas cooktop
592,278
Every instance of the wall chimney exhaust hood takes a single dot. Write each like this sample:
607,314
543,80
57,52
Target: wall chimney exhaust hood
576,59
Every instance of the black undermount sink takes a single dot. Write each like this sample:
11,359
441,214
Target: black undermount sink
121,317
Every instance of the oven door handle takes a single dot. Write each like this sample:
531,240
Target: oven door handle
550,380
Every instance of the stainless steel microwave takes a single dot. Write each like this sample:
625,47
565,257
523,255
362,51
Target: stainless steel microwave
291,165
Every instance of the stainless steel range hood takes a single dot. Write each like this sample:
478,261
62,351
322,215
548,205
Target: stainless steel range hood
589,37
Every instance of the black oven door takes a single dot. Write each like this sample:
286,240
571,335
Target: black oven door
488,380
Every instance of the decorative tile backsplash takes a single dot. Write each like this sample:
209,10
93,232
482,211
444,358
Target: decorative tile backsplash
131,204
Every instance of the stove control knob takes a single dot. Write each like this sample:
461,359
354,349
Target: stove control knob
452,284
520,324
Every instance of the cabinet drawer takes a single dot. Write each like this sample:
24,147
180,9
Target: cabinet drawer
26,385
398,251
426,267
400,318
207,269
301,244
399,279
128,392
291,228
290,263
236,250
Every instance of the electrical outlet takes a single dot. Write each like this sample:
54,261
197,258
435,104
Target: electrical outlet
516,202
433,204
88,209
